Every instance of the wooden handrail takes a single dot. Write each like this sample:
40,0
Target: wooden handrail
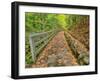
39,40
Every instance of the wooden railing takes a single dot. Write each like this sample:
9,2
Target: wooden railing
38,41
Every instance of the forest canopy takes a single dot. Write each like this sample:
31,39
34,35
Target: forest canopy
40,22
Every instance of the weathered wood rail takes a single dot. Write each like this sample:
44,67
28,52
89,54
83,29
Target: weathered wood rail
38,41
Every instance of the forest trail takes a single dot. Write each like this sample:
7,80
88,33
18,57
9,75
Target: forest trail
56,53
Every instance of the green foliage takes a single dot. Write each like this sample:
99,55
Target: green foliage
74,20
62,20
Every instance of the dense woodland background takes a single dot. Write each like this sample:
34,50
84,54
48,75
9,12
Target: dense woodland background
76,25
